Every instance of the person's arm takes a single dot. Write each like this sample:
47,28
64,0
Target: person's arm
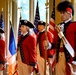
2,54
47,44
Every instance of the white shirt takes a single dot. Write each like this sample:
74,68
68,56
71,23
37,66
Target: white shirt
62,25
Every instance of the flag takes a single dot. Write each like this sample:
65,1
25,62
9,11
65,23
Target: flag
12,69
1,21
12,45
37,17
52,20
52,30
2,24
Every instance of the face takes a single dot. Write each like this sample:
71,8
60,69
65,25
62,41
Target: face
65,15
23,28
41,27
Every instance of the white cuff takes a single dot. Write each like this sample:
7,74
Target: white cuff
74,62
49,46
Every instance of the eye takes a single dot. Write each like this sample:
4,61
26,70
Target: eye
22,25
63,12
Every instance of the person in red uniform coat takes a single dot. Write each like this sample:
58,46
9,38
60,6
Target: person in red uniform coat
27,46
68,27
41,41
2,50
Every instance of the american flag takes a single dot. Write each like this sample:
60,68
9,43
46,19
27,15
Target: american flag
2,24
37,17
2,21
52,30
52,20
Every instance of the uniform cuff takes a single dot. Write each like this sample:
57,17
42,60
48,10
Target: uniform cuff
49,46
74,62
2,62
50,56
74,59
32,64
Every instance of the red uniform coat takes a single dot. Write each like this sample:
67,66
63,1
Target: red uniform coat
40,38
2,52
70,34
27,45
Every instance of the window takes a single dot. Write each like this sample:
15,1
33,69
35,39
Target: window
25,9
42,9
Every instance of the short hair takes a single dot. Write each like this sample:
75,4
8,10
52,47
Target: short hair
63,5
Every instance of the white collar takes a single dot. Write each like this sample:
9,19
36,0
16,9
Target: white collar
24,34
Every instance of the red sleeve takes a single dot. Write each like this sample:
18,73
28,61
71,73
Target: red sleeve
2,51
50,51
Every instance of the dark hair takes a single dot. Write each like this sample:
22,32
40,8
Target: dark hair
63,5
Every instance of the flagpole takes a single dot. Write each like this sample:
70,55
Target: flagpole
46,4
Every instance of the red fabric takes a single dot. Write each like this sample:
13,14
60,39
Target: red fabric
71,34
29,49
71,37
2,50
68,71
50,52
69,10
61,49
3,68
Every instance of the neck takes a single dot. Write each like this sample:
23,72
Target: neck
42,30
68,20
24,33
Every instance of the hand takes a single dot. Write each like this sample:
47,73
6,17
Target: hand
57,27
1,66
45,44
74,67
30,69
50,60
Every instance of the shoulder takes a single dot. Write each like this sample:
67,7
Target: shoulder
74,22
32,36
31,39
2,42
72,26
